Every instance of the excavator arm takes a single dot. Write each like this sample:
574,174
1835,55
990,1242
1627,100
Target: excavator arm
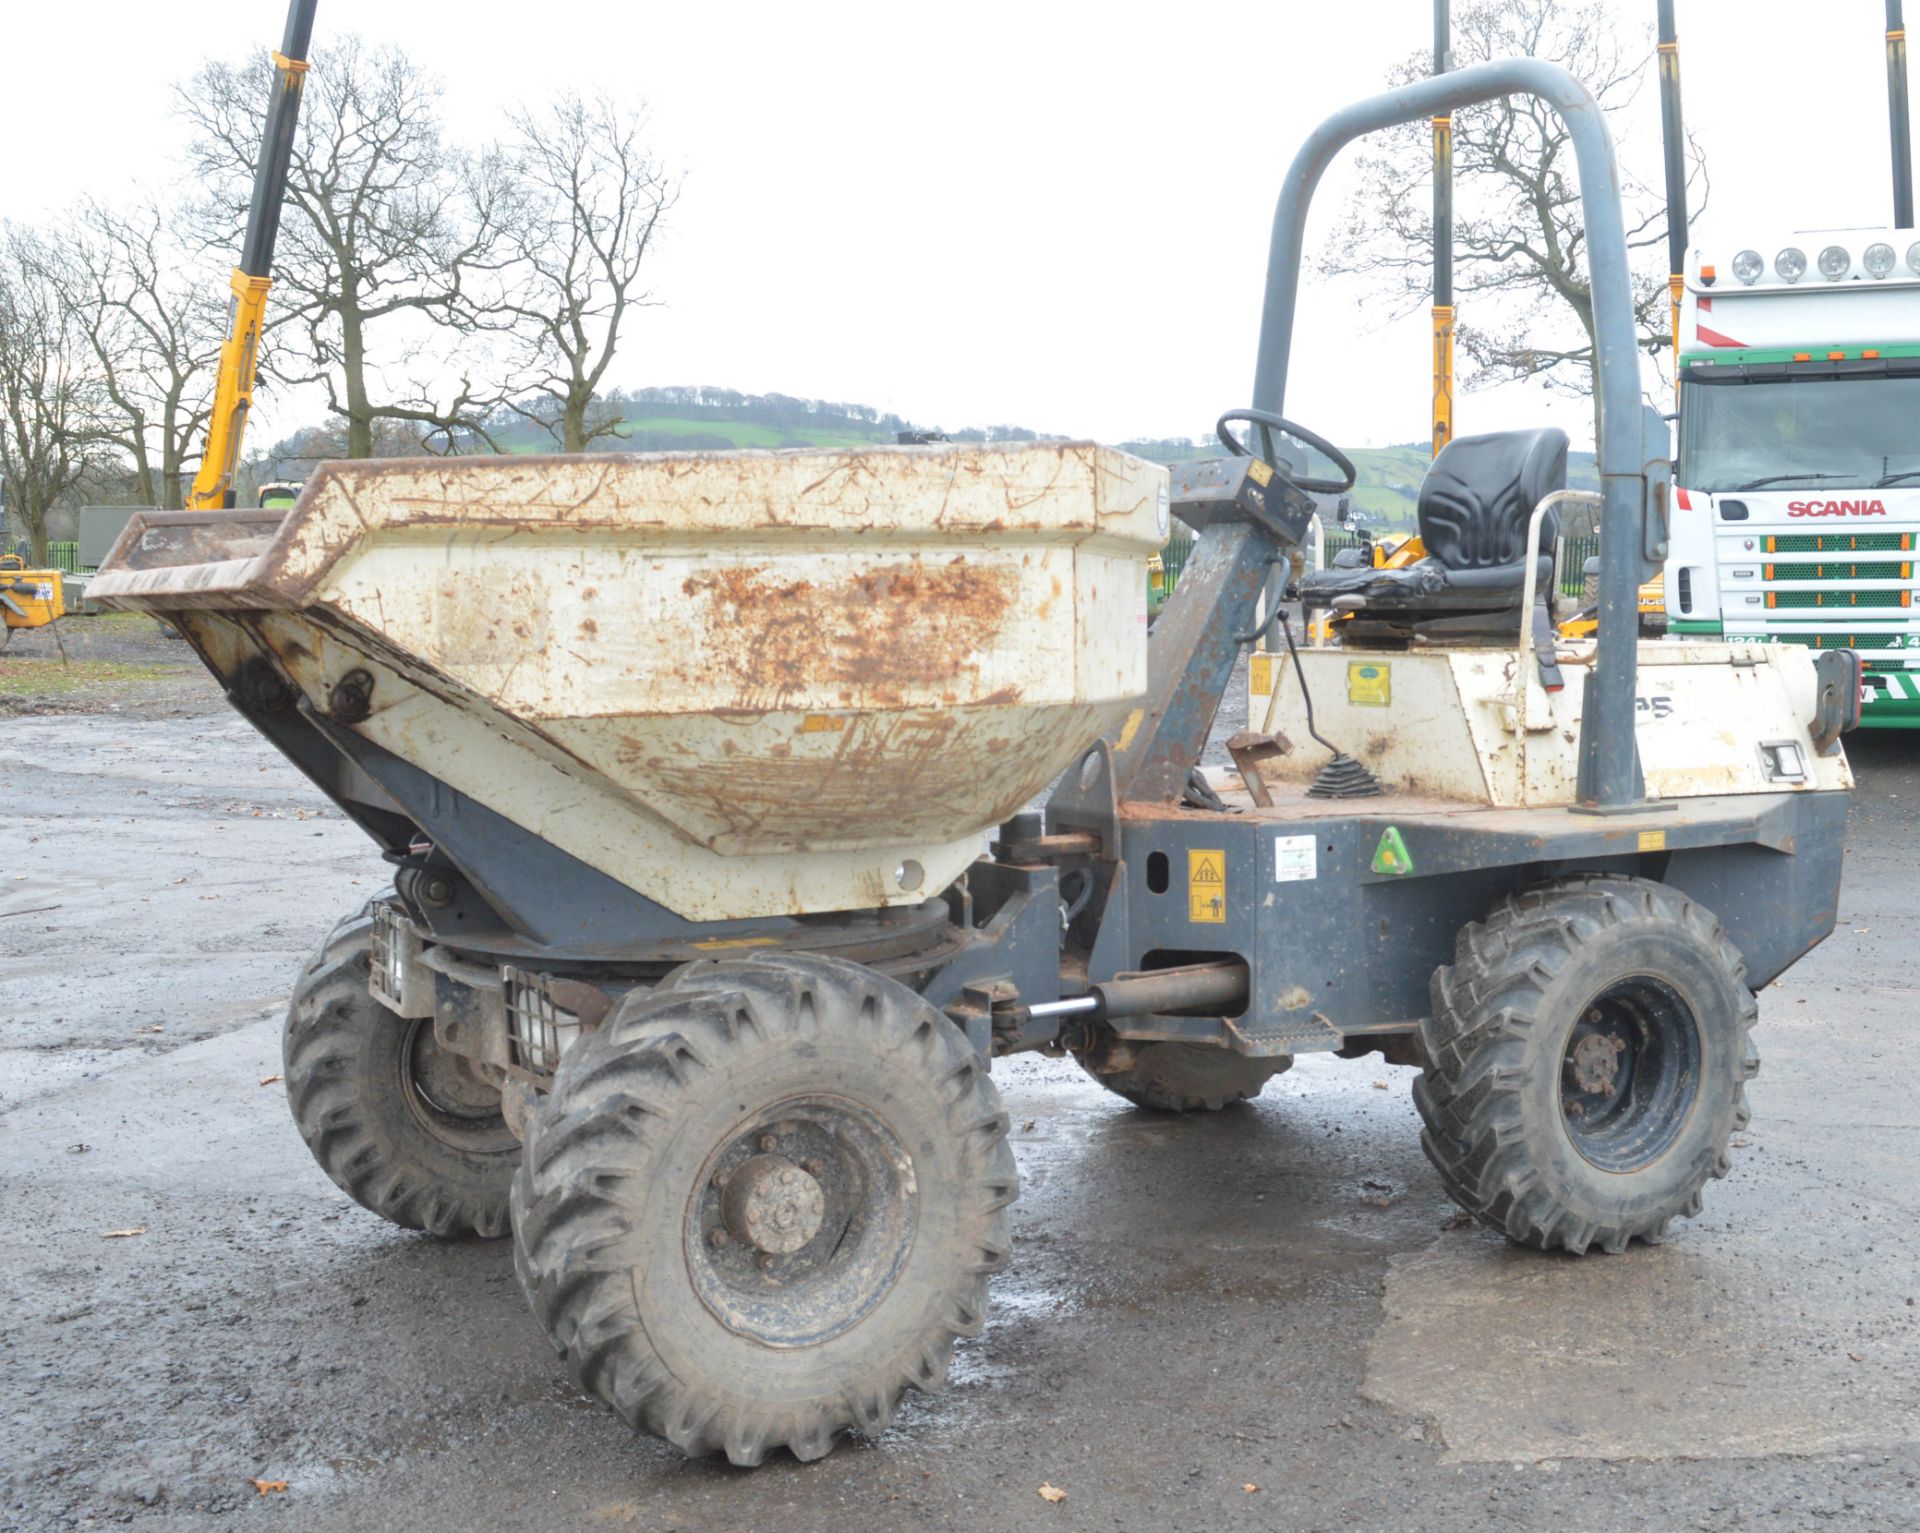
240,353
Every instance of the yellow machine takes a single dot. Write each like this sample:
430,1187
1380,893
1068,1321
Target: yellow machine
1653,613
28,598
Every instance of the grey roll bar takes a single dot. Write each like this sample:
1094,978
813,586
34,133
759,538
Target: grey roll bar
1609,767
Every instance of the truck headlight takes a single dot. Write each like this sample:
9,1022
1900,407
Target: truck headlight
1790,264
1878,259
1835,261
1747,266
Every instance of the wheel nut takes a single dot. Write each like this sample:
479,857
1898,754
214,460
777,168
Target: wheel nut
720,1180
764,1262
766,1142
814,1166
717,1237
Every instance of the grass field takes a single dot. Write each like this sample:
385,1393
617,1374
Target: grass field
696,425
42,679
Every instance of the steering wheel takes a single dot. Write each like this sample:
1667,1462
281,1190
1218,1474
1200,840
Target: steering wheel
1244,449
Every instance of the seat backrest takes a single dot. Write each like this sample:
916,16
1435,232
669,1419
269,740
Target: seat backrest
1480,490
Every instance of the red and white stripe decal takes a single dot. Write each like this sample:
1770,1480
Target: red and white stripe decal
1680,500
1711,337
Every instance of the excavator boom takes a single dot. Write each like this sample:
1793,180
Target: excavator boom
240,353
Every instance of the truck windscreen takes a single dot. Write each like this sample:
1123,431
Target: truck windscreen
1845,432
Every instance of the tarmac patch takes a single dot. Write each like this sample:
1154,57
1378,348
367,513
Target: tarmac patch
1783,1322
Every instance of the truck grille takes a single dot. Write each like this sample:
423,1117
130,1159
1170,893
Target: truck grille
1839,598
1837,542
1842,640
1884,570
538,1030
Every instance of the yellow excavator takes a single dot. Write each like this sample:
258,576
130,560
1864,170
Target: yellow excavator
213,486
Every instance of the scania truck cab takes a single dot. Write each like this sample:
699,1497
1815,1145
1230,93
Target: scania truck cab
1798,502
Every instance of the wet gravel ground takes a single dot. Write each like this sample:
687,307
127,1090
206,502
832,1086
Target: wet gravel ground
1265,1318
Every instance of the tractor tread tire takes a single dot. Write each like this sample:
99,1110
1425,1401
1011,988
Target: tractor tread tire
623,1094
337,1047
1482,1038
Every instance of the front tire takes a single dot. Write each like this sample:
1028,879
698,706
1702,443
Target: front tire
1588,1054
400,1125
762,1202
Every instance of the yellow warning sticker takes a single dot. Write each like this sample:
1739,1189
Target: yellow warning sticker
1260,471
1207,886
822,724
1369,683
1653,840
1260,675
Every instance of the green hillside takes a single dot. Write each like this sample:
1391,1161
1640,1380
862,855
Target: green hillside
706,419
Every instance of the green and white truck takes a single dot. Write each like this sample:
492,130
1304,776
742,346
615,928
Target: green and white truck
1797,510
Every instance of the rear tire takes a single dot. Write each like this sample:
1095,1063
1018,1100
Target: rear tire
1588,1054
402,1127
1178,1077
761,1202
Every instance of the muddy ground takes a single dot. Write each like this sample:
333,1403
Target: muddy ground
1262,1319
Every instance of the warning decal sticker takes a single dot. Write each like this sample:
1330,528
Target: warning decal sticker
1369,683
1207,886
1293,859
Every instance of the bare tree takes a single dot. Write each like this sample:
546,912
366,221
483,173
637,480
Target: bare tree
47,426
1519,239
392,248
153,330
593,202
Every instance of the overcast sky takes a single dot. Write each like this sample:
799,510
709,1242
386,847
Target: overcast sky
1046,214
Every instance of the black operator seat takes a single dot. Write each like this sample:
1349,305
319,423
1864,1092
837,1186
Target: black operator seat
1474,504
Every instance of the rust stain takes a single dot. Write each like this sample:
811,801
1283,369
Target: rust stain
876,634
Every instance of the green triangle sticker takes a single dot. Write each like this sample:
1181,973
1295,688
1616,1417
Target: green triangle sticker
1390,856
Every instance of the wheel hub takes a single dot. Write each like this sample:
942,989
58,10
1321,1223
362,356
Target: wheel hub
1595,1062
450,1097
773,1205
1630,1073
801,1220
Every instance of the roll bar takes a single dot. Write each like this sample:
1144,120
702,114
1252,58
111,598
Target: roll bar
1609,766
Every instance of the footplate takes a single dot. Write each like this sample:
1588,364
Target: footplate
1288,1033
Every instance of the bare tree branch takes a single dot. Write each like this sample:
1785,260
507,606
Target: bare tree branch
49,431
1519,237
393,242
594,201
153,332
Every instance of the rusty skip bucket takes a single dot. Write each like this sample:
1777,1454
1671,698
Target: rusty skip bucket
743,684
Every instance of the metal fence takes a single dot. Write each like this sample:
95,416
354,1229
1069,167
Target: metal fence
1174,557
65,557
1574,554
